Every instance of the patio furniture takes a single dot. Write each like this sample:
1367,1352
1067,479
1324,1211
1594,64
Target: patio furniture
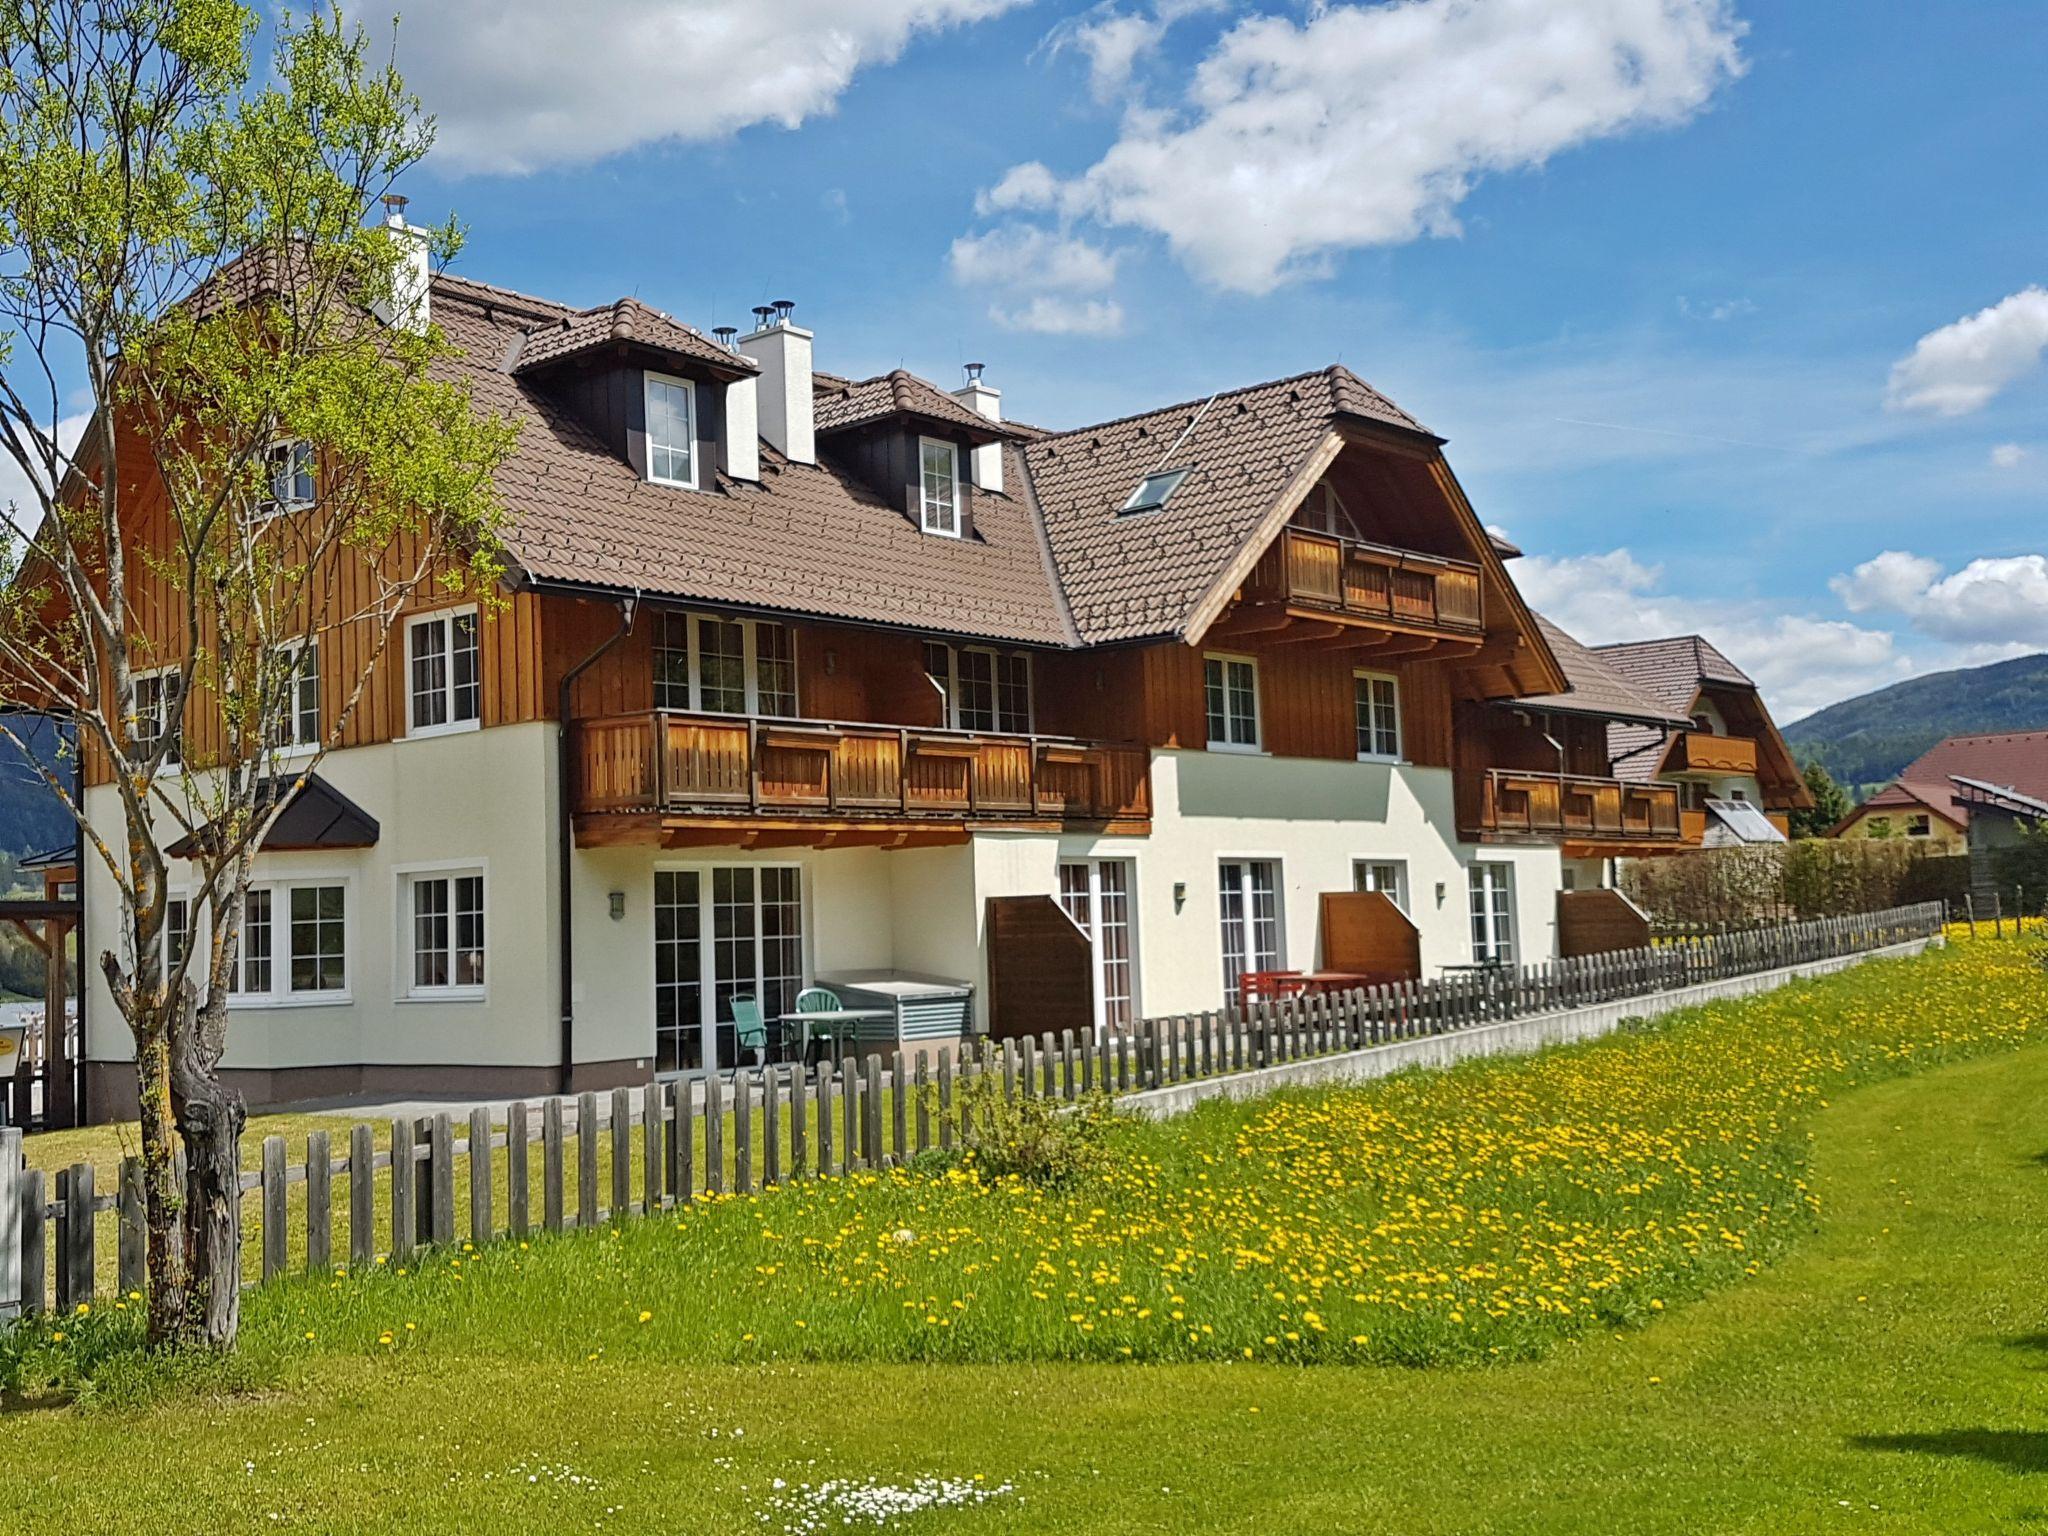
1270,986
836,1025
750,1030
907,1008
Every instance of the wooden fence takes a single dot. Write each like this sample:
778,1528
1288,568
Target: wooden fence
597,1158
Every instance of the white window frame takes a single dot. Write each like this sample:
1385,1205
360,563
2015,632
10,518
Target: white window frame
693,664
445,617
1365,876
1229,659
1362,675
281,993
410,877
648,379
269,504
1093,931
707,944
293,742
160,710
924,495
174,895
949,686
1499,904
1239,867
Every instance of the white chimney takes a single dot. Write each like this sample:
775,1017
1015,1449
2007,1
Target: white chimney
413,276
742,438
784,352
980,398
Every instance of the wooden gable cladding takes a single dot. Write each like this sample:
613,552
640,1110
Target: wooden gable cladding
510,640
1307,700
1491,737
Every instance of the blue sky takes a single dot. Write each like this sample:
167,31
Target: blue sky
1650,265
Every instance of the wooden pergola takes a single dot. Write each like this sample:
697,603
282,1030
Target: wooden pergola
49,923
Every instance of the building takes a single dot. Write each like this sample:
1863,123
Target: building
1736,778
1924,802
802,679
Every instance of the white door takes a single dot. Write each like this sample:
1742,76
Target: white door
721,932
1096,894
1492,889
1249,902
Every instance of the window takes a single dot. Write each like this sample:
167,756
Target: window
156,700
1249,891
1378,703
725,666
287,477
1231,686
1918,825
319,939
1153,491
293,708
1323,511
251,975
178,935
671,431
447,685
938,487
1387,876
1492,889
1096,895
447,936
720,933
983,689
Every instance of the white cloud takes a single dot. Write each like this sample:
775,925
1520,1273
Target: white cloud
1799,661
1891,580
518,85
1998,603
1050,315
1369,125
1715,309
1023,256
2008,456
18,497
1113,41
1959,368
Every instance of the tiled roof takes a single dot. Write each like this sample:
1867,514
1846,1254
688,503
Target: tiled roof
1596,689
623,321
808,539
2016,760
1671,671
1142,575
856,403
1903,794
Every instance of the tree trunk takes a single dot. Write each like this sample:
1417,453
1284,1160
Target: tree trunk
162,1201
210,1118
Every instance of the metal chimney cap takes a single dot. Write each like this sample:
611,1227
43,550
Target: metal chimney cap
782,310
394,207
974,371
763,313
725,334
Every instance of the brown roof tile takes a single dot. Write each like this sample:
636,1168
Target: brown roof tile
1596,688
1671,670
858,403
2010,759
623,321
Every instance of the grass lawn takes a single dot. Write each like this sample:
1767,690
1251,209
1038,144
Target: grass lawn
1884,1373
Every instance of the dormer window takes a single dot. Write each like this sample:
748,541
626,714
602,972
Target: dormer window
287,477
939,487
1153,490
671,431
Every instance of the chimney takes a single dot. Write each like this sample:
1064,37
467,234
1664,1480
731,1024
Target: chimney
981,399
413,276
783,349
740,442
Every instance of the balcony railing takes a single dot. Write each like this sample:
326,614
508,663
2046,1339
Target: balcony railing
669,761
1704,752
1572,805
1369,581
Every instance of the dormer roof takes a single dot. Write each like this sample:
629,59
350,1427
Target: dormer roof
626,324
844,404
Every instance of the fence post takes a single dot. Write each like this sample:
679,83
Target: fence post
552,1174
483,1222
362,1196
682,1148
771,1127
272,1207
518,1215
622,1151
443,1151
650,1148
799,1121
827,1077
586,1159
403,1180
899,1107
871,1117
131,1240
10,1222
714,1133
921,1084
742,1134
34,1260
946,1099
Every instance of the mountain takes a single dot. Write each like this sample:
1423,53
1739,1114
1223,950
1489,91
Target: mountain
32,818
1866,740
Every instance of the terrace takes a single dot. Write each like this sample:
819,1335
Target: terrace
1324,576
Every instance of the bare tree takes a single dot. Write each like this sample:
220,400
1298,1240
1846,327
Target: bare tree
275,466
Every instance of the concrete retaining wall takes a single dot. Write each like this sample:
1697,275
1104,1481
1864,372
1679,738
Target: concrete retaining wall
1514,1037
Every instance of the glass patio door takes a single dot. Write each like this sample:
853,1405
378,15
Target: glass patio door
1096,895
1249,891
719,933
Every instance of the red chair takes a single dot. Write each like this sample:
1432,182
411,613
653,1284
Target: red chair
1269,986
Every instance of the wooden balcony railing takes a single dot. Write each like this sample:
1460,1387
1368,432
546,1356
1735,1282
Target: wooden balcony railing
1371,581
669,761
1704,752
1572,805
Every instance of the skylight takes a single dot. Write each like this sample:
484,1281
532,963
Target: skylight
1153,490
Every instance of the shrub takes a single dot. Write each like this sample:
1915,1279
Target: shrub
1042,1141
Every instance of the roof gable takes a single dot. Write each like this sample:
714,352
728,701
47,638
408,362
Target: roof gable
1595,688
844,404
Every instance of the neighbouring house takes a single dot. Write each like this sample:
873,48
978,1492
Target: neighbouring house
1923,802
799,679
1736,778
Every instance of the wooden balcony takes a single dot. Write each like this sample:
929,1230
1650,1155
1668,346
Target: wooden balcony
1330,577
1571,806
1703,752
666,764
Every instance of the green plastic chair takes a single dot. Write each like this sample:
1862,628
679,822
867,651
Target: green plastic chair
815,1000
750,1029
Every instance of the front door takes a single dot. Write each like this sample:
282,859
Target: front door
720,932
1096,896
